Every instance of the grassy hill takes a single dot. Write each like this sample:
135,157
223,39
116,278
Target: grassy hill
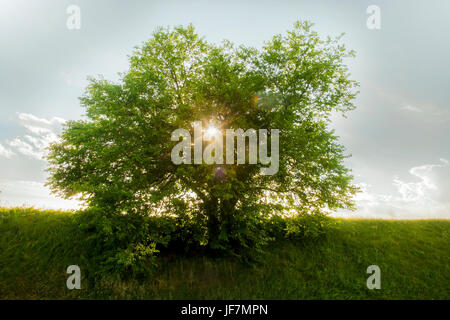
37,246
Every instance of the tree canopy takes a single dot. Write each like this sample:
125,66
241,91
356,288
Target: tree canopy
119,157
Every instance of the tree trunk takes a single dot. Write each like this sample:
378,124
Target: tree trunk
212,212
220,218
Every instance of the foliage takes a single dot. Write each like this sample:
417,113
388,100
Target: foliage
119,158
122,244
308,226
300,226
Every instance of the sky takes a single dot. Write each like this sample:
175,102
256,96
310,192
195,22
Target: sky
398,135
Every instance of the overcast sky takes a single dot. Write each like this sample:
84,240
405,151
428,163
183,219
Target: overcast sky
398,135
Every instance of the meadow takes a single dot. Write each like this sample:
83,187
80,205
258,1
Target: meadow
37,246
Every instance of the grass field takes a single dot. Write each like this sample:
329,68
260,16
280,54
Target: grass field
37,246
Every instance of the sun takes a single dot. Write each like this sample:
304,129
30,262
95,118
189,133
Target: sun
211,131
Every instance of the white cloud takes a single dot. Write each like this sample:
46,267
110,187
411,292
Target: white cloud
5,152
412,108
25,148
426,197
41,132
31,146
430,111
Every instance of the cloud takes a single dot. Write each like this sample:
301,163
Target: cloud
19,184
22,188
5,152
430,111
40,133
426,197
412,108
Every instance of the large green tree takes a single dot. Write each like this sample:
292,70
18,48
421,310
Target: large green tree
119,158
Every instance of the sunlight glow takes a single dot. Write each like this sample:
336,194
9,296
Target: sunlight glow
211,131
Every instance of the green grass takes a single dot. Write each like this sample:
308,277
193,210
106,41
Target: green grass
37,246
